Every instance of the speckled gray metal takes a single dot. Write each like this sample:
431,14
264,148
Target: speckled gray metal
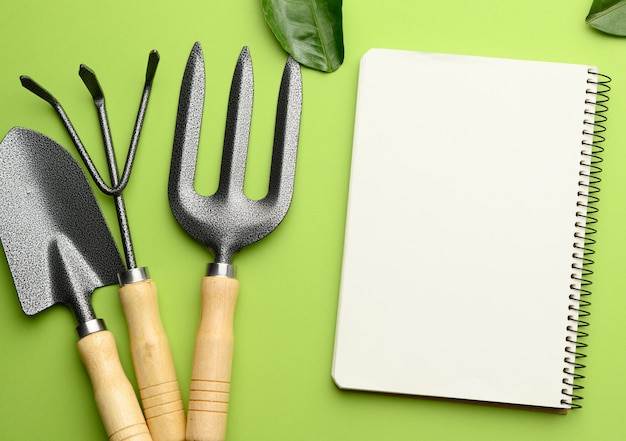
227,221
117,185
56,241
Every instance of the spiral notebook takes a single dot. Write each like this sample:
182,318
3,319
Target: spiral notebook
469,227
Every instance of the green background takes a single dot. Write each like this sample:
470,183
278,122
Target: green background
285,319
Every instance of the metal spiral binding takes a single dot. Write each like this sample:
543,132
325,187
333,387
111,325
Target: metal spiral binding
585,229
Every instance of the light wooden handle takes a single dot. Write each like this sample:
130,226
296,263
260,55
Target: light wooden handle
210,377
115,397
154,366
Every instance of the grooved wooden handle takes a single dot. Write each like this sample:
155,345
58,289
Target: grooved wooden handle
115,397
154,366
210,377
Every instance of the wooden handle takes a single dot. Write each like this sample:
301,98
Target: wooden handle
154,366
115,397
210,377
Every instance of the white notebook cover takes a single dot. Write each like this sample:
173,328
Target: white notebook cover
460,228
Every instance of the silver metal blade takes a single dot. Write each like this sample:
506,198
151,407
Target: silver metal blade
55,238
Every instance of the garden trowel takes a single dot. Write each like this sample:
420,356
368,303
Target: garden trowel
60,249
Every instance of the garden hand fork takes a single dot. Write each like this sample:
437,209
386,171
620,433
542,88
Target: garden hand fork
227,221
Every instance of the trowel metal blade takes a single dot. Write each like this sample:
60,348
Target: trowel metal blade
55,238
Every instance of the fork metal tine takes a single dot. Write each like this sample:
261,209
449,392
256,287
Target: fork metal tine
237,132
286,135
187,131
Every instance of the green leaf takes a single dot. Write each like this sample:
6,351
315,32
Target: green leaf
608,16
309,30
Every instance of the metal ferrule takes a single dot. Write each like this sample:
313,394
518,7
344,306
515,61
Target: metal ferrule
221,270
133,275
89,327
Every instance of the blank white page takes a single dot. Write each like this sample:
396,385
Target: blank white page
460,228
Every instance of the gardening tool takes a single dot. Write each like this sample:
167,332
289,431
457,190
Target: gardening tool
227,221
150,349
59,250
